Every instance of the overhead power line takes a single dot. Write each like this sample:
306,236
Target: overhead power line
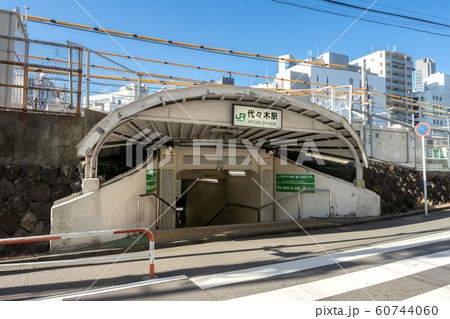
385,13
170,42
406,10
350,15
392,97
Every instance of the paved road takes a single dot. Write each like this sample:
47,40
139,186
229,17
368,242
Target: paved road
401,259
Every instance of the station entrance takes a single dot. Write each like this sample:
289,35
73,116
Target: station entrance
207,198
219,156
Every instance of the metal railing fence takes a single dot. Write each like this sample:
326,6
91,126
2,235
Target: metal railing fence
30,83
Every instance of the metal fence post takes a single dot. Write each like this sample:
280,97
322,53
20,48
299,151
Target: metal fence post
448,144
350,102
388,115
70,79
25,76
80,78
333,101
413,141
88,79
370,128
139,86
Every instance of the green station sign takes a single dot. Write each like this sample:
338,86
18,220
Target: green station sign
151,181
294,183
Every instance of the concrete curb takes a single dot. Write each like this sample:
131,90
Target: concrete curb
176,243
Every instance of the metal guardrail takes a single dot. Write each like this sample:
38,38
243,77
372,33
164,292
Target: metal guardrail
138,209
258,209
232,204
298,194
31,239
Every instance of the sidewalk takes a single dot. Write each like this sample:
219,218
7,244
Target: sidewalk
198,235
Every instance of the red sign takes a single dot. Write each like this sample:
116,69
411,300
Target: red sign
422,129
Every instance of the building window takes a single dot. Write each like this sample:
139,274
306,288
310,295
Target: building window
381,72
317,78
440,98
377,135
441,122
350,81
327,79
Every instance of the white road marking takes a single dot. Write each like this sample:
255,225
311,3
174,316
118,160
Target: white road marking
109,289
341,284
255,273
440,294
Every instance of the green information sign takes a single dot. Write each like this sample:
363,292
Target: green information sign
151,181
295,182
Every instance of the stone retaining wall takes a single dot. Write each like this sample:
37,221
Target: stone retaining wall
27,193
401,189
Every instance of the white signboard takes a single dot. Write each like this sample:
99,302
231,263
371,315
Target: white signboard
256,117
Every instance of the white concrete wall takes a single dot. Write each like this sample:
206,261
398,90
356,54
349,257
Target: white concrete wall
110,207
243,190
114,205
203,200
346,199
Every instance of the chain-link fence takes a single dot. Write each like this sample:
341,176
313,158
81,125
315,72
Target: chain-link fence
40,76
49,77
387,133
109,85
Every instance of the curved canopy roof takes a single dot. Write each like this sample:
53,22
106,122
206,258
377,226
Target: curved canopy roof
205,112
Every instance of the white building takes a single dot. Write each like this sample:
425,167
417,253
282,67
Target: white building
396,68
424,68
44,93
267,85
108,102
10,26
45,99
436,90
318,75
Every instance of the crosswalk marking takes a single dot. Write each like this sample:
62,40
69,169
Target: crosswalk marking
110,289
360,279
440,294
255,273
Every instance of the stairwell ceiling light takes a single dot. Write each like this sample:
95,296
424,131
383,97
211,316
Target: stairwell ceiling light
237,173
209,180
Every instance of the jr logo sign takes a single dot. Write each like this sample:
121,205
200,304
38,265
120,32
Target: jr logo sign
241,116
256,117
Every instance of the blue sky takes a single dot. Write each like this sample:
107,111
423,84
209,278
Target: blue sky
257,26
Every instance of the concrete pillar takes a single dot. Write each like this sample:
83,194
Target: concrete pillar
359,181
167,190
266,181
90,184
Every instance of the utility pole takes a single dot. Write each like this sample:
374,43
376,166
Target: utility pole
364,100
